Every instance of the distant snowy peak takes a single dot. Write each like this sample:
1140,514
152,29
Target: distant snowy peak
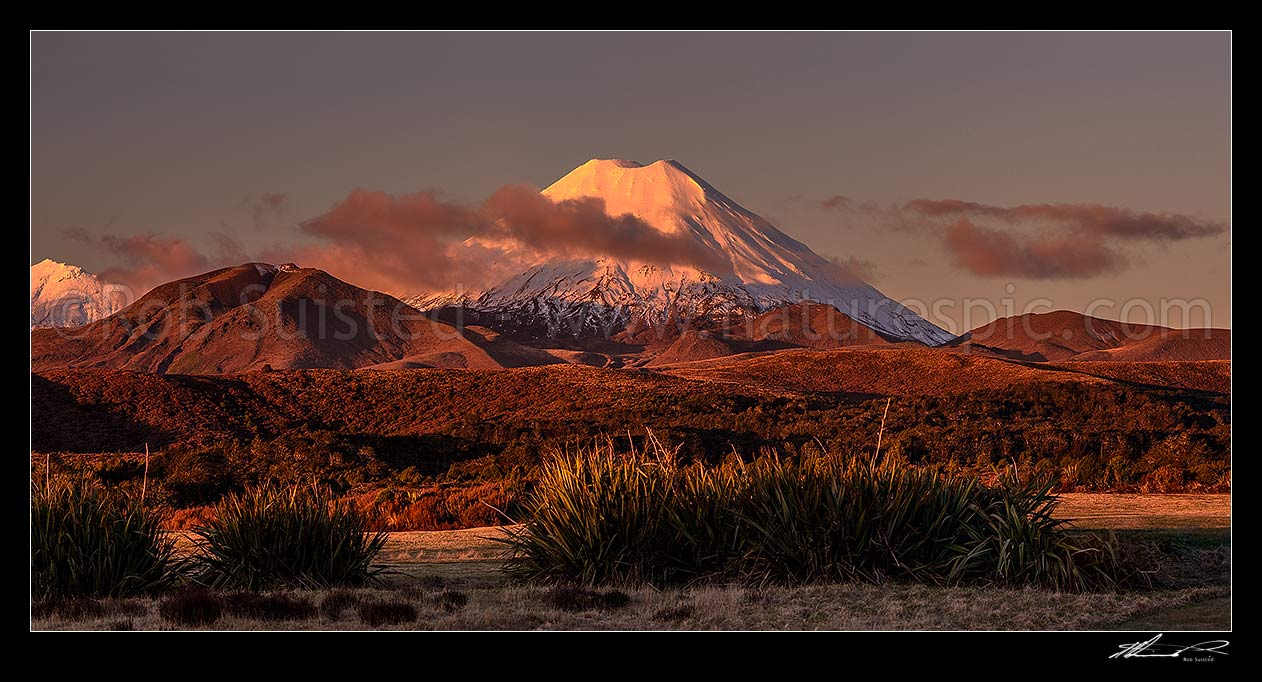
756,266
65,295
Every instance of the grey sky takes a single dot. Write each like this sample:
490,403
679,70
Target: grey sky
182,134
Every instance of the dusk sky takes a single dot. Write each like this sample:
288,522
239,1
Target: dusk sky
215,139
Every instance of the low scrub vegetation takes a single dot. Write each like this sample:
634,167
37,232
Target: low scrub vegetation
600,516
378,612
299,536
574,598
270,607
91,542
421,450
335,603
191,607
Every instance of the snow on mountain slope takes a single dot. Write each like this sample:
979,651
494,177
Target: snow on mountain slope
759,268
66,296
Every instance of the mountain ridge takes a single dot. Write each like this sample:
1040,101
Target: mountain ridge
1066,335
253,317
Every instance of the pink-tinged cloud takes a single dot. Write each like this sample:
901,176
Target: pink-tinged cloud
382,241
582,227
860,268
411,242
227,249
1090,218
988,252
836,201
267,205
144,260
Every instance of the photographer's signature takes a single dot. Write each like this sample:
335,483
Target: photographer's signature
1154,648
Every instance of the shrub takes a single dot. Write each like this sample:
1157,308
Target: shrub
596,517
191,607
401,509
189,518
335,603
1016,540
77,608
269,606
574,598
84,608
268,537
89,542
674,614
452,600
194,477
376,613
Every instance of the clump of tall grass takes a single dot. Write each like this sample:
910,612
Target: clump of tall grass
335,603
89,542
273,606
376,613
571,598
191,607
596,518
300,536
599,516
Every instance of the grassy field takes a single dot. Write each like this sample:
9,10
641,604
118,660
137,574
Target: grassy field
817,607
1122,511
452,580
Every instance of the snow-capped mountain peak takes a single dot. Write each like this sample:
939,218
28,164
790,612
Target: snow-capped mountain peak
756,266
64,295
662,193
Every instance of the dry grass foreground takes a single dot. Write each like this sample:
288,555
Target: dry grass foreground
453,581
816,607
1125,511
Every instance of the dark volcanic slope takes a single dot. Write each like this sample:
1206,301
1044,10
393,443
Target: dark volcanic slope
1065,335
813,325
691,346
806,325
242,318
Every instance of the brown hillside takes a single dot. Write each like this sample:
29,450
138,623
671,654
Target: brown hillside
812,325
1064,335
801,325
691,346
250,316
913,371
1213,376
507,352
1169,345
893,371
